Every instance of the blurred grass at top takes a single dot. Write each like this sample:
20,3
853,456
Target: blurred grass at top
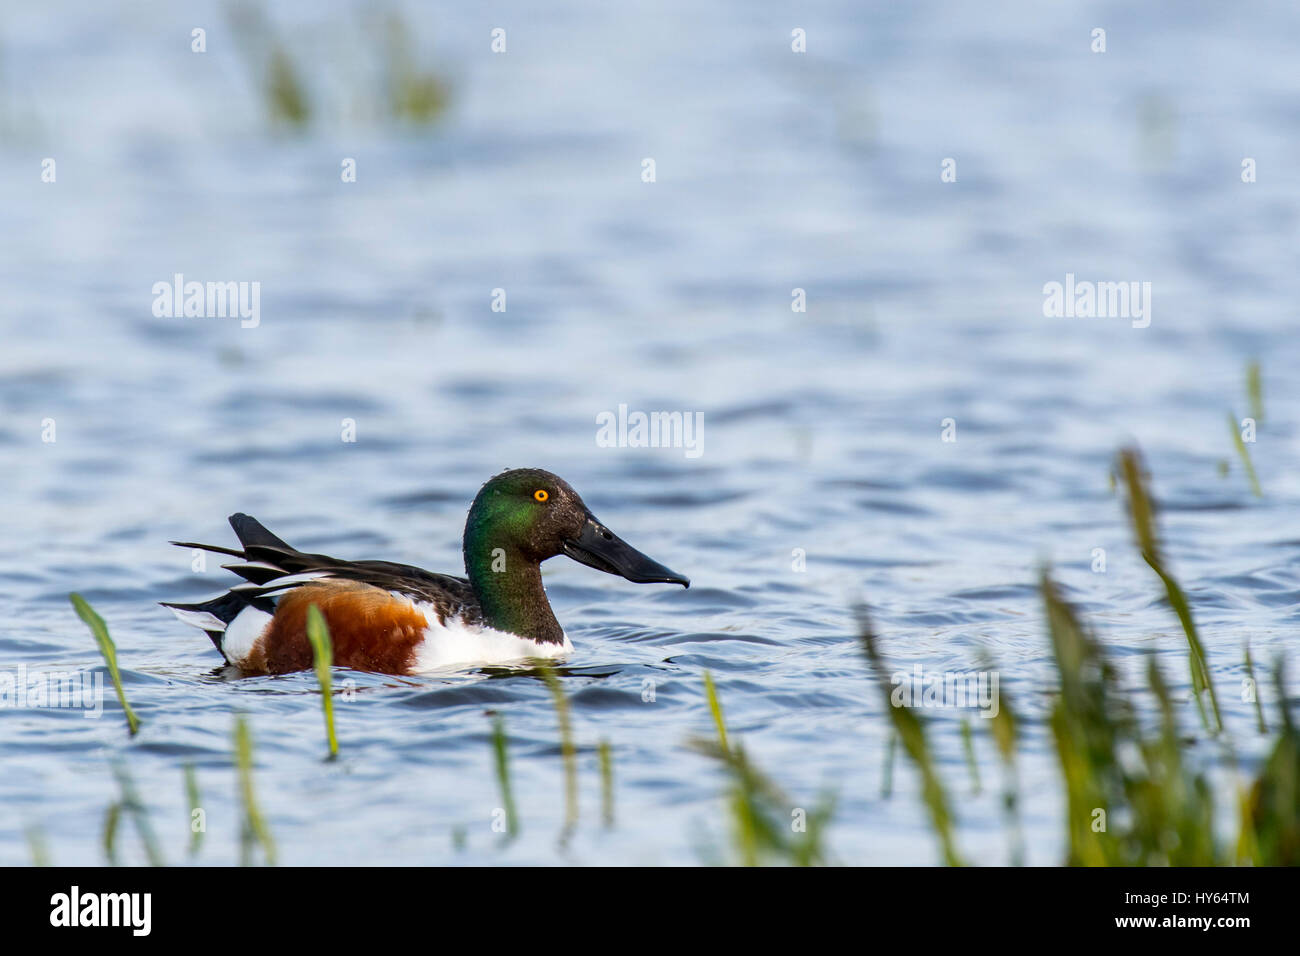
379,78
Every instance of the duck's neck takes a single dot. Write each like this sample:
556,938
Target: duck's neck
510,592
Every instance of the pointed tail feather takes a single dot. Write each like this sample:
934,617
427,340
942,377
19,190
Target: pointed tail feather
214,548
258,568
210,617
250,532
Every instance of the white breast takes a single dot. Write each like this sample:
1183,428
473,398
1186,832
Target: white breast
242,632
456,645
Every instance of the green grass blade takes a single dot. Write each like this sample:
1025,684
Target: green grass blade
1271,811
109,651
195,804
1142,516
132,804
274,71
762,817
887,773
112,818
1004,729
1201,681
1259,706
285,94
715,708
414,96
253,828
567,747
1244,455
1247,842
1133,797
37,845
911,732
501,760
318,633
606,755
745,814
1255,390
1141,512
968,745
1086,724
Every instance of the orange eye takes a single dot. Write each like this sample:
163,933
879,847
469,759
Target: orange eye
541,494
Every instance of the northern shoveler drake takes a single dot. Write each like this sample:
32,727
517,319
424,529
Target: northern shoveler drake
398,619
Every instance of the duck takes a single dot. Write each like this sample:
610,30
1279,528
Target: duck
399,619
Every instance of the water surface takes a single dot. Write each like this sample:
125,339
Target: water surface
822,429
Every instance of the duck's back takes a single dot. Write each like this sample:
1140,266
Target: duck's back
386,617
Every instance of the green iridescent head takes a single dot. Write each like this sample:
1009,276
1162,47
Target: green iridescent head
518,520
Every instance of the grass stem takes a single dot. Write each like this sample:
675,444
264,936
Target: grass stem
109,651
567,747
196,808
606,754
501,761
253,828
322,647
1244,454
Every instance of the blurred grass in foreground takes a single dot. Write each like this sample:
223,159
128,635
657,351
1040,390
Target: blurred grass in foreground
253,829
1136,795
1142,514
766,825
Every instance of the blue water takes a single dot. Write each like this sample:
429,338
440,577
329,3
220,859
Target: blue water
775,171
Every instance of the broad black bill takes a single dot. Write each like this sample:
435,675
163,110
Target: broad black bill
598,547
